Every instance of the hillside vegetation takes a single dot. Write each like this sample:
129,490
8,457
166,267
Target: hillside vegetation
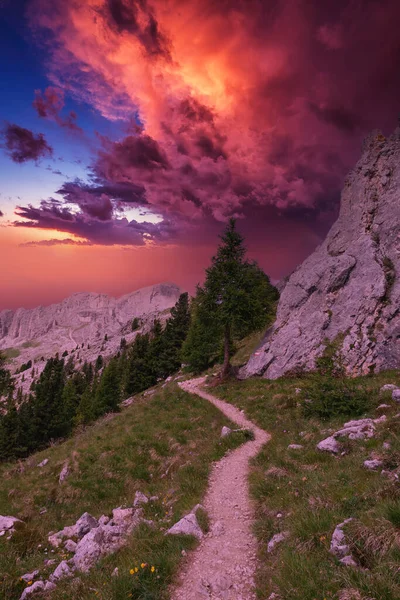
162,446
306,493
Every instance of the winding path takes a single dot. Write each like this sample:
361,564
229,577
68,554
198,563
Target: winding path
223,565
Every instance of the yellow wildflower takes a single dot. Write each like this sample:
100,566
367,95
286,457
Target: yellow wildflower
152,569
143,565
136,569
30,582
132,571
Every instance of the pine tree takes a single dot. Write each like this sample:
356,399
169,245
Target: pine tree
236,299
48,415
108,394
6,382
139,373
175,332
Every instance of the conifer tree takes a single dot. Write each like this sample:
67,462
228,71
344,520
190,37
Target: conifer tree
108,394
235,300
175,332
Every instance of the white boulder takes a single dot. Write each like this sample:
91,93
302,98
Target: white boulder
187,526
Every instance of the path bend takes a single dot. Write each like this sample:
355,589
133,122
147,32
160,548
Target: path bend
223,565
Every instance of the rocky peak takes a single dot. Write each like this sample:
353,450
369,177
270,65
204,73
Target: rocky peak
79,324
348,290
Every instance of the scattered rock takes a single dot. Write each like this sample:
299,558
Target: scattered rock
383,406
70,546
43,511
115,573
49,586
225,431
187,526
43,463
85,523
36,587
7,524
62,572
30,576
140,499
274,596
396,395
277,539
386,445
360,429
373,464
295,447
388,387
329,444
99,542
339,547
65,472
348,561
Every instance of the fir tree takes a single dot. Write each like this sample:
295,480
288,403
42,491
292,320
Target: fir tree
108,394
236,299
175,332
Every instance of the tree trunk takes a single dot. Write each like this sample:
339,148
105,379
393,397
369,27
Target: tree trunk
226,369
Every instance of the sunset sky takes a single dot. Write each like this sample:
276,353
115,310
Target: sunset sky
131,130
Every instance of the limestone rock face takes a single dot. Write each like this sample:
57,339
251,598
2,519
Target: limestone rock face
78,325
349,288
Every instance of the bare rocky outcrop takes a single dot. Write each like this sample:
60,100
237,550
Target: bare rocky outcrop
359,429
78,325
348,290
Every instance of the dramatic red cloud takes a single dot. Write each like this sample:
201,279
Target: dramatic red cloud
250,108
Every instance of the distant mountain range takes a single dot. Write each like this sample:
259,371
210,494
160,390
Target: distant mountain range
85,325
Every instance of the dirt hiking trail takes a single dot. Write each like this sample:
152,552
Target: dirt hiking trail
223,565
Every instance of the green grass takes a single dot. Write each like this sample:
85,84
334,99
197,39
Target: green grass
11,353
313,491
163,446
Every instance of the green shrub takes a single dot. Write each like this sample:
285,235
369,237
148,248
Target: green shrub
327,397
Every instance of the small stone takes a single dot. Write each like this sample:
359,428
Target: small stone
348,561
115,573
62,572
388,387
396,395
43,511
295,447
43,463
386,445
373,464
338,542
30,576
7,523
276,539
225,431
65,472
140,499
38,586
383,406
187,526
329,445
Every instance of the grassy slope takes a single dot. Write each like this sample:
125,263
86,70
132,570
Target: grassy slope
161,446
318,492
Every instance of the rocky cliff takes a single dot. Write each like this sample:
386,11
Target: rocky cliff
348,290
80,323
